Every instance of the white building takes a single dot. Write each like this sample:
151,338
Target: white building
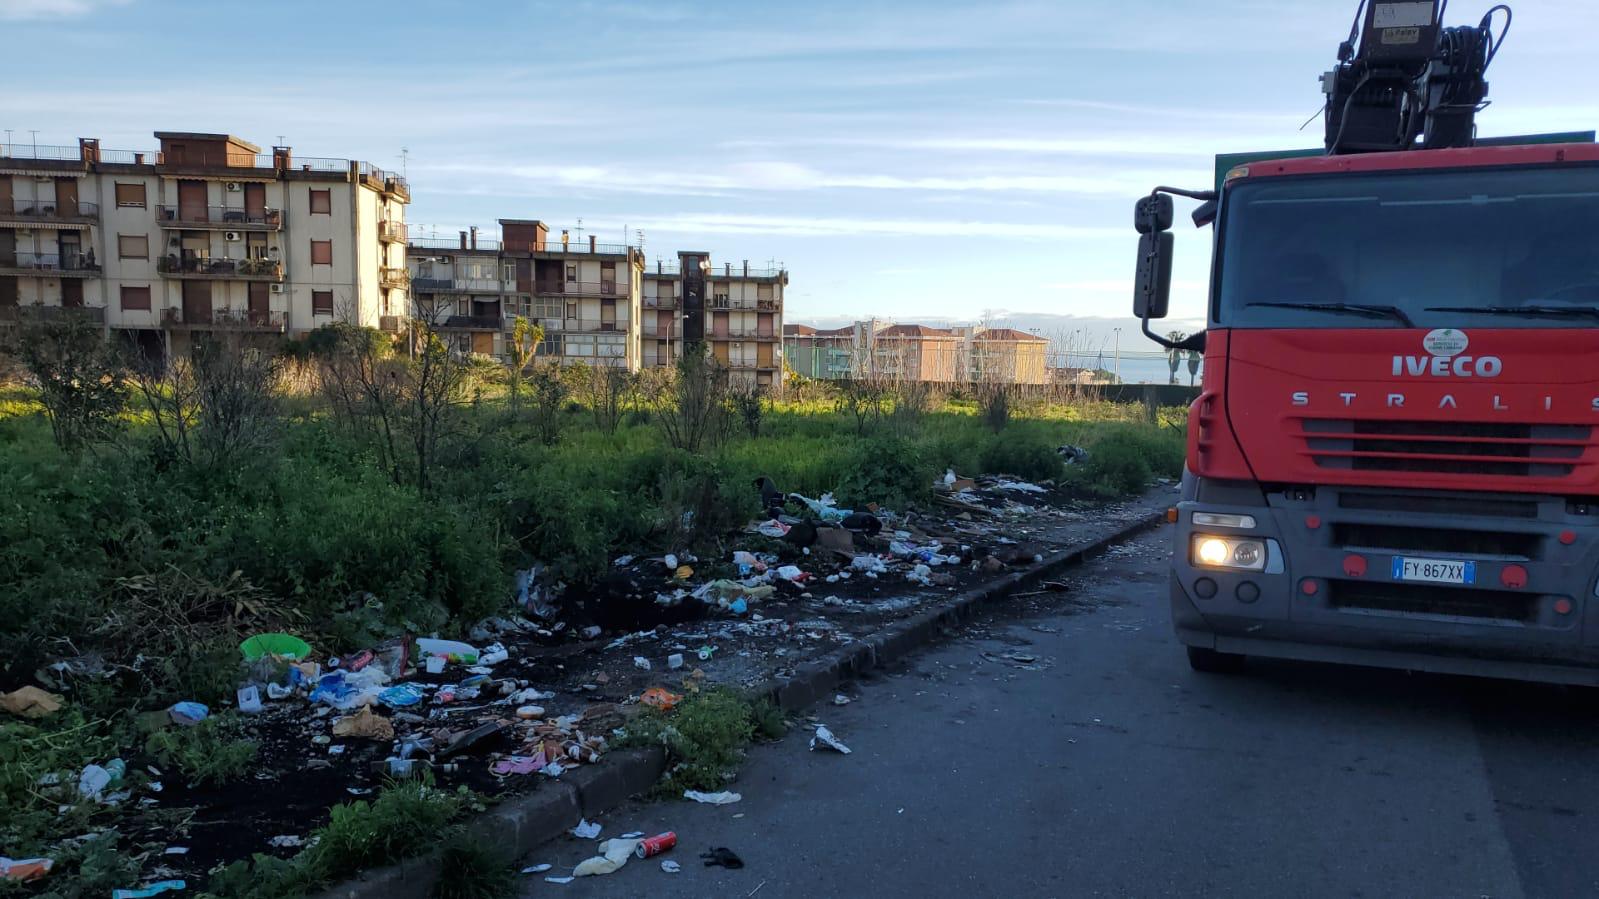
205,234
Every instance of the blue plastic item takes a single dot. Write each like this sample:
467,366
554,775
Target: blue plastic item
401,695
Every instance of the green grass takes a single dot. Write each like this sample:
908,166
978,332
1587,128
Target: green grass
211,753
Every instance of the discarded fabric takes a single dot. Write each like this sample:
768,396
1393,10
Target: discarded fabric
723,798
826,738
614,853
364,724
660,698
31,702
586,830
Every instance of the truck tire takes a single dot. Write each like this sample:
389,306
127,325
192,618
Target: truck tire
1212,662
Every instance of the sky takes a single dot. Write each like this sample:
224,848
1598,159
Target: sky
915,161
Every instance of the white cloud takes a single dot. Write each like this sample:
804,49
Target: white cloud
41,10
841,226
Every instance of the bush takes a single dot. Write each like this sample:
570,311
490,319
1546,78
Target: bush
1025,457
468,869
210,753
704,739
1123,458
886,470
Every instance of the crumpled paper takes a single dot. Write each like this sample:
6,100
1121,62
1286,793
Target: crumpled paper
365,724
31,702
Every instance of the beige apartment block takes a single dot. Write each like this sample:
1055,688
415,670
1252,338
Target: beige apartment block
735,308
912,352
205,234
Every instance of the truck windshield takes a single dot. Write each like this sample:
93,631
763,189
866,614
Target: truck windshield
1502,248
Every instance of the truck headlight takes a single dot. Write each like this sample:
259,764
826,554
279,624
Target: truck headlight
1227,552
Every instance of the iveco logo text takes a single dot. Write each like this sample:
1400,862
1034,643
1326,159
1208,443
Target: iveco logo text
1447,367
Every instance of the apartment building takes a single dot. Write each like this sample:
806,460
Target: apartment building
914,352
585,294
735,309
204,234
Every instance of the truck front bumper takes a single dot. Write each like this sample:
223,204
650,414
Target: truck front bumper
1328,591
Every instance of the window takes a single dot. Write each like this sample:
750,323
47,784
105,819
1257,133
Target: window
321,302
546,307
571,310
507,273
321,202
130,195
256,245
133,246
571,273
135,298
321,252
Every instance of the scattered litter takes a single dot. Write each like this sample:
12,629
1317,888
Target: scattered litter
283,646
660,698
670,866
723,857
614,853
826,738
453,650
641,663
723,798
705,653
559,879
518,764
249,697
529,712
23,870
674,661
286,841
176,850
188,714
656,845
401,696
493,654
154,889
585,830
364,724
635,835
537,869
840,699
31,702
94,780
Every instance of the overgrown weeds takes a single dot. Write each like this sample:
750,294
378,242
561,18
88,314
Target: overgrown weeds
471,869
211,753
704,738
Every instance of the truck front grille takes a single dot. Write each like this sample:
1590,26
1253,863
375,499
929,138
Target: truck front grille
1430,599
1446,447
1446,540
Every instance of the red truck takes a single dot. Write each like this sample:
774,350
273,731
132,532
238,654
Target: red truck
1394,458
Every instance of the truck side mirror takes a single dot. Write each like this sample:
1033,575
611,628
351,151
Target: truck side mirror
1152,214
1152,286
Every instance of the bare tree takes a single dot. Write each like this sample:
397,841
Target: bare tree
549,392
606,390
217,408
692,410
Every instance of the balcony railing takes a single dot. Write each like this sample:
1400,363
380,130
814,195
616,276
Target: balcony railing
225,320
393,277
475,322
724,272
453,243
583,247
420,284
591,325
660,302
223,218
78,265
36,312
391,232
672,269
31,151
47,210
584,289
206,267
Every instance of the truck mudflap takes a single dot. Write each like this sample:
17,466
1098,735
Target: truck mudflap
1497,585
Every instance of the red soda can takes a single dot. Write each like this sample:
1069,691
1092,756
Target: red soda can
656,845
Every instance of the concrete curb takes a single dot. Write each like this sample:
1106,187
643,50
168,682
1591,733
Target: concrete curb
523,823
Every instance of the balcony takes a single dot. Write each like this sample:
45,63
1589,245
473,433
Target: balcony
225,320
607,289
660,302
729,272
583,248
393,277
590,325
27,213
230,269
36,312
483,245
51,265
219,218
391,232
474,323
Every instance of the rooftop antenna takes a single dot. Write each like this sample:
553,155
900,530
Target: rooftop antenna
35,142
280,140
405,158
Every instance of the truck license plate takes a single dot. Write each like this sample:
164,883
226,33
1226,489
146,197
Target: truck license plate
1437,571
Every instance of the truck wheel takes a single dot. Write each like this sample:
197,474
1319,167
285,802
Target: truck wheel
1212,662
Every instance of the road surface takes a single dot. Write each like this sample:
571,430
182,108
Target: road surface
1106,767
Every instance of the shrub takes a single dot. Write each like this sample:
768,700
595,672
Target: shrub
886,470
1022,456
468,869
704,739
210,753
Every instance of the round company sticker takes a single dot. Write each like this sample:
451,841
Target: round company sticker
1444,342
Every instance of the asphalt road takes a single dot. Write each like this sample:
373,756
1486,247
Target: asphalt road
1107,767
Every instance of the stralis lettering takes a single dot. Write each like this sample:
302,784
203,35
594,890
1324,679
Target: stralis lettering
1448,366
1496,403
